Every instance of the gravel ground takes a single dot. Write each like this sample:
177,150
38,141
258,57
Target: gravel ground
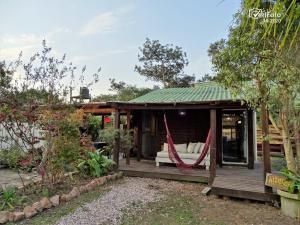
174,201
109,207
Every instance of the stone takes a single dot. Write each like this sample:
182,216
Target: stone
66,197
45,203
114,176
4,217
89,187
38,207
10,217
54,200
109,177
93,183
74,192
17,216
120,174
101,181
29,211
206,191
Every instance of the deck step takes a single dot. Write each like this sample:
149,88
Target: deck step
206,191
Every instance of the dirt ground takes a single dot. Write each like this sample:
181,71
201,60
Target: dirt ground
184,204
144,201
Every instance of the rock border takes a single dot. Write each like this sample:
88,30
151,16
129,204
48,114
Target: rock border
56,200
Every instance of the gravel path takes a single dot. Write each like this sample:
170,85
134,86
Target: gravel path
109,207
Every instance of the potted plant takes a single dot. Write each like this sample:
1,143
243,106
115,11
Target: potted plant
290,198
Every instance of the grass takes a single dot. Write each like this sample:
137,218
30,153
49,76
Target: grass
52,215
34,193
174,209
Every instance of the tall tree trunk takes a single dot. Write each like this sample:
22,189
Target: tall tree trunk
297,143
287,143
265,138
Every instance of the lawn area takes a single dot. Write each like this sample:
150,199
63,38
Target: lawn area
144,201
51,216
174,209
183,204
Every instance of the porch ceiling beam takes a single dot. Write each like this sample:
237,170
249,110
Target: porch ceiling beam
152,106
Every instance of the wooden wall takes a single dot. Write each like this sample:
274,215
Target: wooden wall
190,128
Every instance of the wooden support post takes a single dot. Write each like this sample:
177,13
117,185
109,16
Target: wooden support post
139,134
117,139
219,138
265,143
250,140
128,128
213,146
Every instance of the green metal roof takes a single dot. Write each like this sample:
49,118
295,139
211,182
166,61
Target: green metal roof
202,92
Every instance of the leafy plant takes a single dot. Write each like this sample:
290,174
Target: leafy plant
95,165
12,156
295,180
45,192
94,126
108,136
9,197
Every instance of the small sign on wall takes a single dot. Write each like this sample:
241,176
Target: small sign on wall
277,181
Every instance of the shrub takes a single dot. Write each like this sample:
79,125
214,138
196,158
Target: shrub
95,165
9,197
12,156
94,126
294,187
108,136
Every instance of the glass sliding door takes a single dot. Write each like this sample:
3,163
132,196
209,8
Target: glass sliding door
235,137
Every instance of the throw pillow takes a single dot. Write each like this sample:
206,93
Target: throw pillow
165,147
197,147
191,147
180,148
202,147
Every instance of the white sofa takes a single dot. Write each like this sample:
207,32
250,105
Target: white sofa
189,154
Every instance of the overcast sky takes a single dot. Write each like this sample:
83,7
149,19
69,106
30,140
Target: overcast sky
108,33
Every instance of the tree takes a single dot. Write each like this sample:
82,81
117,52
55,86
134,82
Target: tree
33,108
207,77
266,77
242,66
284,29
122,92
282,38
163,63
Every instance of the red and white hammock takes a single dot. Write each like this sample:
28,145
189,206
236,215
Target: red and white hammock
173,155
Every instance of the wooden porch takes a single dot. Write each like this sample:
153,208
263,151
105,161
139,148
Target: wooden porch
230,181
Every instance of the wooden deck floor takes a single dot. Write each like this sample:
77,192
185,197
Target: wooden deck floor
231,181
147,168
241,182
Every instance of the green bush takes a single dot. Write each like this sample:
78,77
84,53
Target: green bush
108,136
12,156
294,187
95,165
67,151
8,197
94,126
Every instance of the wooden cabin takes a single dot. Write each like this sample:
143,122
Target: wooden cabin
191,113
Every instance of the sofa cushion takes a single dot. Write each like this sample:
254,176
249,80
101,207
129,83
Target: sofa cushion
191,147
180,148
165,148
165,154
199,147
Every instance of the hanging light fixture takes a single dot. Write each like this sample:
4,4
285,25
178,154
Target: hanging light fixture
182,112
